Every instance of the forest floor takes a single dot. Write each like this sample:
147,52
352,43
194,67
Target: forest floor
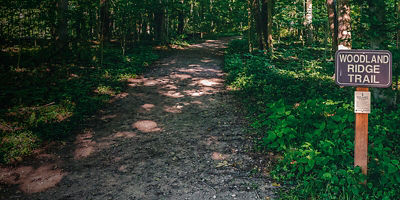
176,133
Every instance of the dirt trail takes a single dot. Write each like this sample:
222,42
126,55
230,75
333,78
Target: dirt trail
175,134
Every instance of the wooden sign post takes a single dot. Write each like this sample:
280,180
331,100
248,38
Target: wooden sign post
363,69
361,139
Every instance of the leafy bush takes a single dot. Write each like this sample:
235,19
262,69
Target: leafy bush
17,145
238,46
43,102
298,112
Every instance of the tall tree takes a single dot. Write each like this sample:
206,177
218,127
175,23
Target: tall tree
308,22
344,28
398,25
181,17
105,23
270,6
333,25
267,24
264,27
61,31
160,22
259,24
249,17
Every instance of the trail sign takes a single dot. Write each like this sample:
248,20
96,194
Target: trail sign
363,68
362,102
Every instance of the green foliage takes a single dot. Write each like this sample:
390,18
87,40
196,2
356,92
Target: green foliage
238,46
298,112
15,146
48,103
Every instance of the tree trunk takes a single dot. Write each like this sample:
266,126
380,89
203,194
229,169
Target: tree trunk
61,23
333,24
159,22
80,27
181,18
398,25
344,28
249,26
105,26
397,45
269,24
264,16
259,24
143,32
308,22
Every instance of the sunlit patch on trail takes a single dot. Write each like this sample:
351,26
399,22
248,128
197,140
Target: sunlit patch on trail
147,106
209,44
125,134
181,76
150,82
86,145
211,140
194,93
213,70
219,156
172,94
123,168
173,109
134,81
146,126
119,96
207,60
172,62
196,102
170,87
177,108
33,179
108,117
208,82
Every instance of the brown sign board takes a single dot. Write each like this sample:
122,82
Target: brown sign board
363,68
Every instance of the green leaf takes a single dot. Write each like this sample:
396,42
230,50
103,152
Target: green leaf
334,180
280,133
392,168
322,126
308,168
311,163
336,117
271,136
395,162
280,110
327,176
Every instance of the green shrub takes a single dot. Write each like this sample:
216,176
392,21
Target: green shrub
238,46
17,145
39,104
298,112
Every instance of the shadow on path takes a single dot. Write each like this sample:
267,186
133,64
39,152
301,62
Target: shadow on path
175,134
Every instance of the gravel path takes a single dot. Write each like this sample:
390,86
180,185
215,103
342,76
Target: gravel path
175,134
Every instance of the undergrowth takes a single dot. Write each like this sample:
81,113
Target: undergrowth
49,100
298,112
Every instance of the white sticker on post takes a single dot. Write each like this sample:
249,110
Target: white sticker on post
362,102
